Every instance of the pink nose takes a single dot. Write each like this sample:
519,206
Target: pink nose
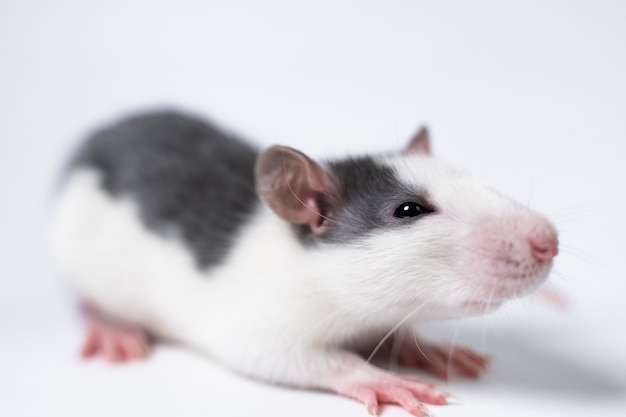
544,245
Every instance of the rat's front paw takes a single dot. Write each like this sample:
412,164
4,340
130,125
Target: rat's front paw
442,359
405,391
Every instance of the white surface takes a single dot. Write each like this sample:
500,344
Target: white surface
529,96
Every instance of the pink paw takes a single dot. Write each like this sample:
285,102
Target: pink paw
113,341
442,360
552,296
408,392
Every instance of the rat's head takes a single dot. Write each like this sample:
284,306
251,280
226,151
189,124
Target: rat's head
402,232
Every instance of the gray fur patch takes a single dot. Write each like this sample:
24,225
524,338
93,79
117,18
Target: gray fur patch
183,173
370,192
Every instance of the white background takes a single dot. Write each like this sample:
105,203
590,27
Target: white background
528,95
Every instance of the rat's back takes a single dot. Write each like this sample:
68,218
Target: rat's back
184,175
147,205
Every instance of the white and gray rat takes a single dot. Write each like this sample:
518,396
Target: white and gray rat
283,268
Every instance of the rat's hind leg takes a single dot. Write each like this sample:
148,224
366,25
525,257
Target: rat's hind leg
111,339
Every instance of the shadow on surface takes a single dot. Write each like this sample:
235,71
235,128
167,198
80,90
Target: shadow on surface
543,362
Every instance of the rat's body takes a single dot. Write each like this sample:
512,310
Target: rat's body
159,226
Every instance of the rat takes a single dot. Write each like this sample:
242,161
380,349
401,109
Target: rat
283,268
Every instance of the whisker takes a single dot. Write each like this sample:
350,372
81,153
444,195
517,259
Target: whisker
483,332
394,353
581,255
558,274
586,209
417,345
391,332
453,343
548,153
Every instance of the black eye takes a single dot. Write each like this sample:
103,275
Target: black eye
410,209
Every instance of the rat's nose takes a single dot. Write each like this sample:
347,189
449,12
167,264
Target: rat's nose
544,244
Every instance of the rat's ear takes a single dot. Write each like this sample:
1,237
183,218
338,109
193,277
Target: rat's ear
419,143
294,186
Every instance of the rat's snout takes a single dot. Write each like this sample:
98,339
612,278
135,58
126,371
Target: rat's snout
544,243
512,254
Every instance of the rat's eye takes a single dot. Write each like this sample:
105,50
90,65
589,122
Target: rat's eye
410,209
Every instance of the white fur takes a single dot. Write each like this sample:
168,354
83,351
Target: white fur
474,230
279,311
264,302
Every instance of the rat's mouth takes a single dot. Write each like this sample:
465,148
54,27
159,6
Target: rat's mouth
496,290
504,277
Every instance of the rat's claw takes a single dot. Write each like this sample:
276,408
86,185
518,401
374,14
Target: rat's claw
451,396
372,410
367,396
